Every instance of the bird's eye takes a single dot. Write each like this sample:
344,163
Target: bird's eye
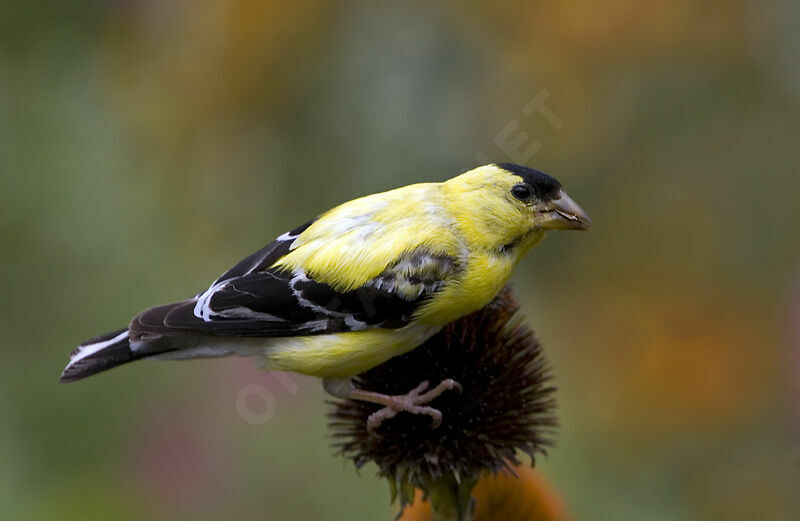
522,191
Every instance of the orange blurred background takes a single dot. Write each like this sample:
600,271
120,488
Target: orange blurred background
146,146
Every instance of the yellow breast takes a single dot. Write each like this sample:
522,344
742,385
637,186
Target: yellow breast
483,278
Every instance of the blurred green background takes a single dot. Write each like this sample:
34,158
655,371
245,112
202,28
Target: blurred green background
146,146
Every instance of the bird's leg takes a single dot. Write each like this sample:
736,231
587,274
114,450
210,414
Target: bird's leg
412,402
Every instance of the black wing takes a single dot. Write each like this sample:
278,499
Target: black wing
254,300
266,256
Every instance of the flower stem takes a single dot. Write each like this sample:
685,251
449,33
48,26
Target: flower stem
451,500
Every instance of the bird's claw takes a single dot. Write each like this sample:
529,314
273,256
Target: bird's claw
412,402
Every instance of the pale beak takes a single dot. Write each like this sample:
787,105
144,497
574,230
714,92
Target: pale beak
563,213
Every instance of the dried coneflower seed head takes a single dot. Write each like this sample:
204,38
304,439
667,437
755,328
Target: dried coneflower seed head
506,405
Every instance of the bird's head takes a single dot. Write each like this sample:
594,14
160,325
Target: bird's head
510,207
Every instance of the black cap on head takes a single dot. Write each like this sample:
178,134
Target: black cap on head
546,187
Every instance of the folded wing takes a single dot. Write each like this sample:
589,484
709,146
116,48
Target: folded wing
255,300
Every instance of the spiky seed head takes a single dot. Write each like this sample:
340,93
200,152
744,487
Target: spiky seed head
506,406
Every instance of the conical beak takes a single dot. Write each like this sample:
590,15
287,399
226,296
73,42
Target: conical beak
563,213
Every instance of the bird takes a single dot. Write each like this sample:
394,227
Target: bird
363,282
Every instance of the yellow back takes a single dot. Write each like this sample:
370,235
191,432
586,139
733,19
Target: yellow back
356,241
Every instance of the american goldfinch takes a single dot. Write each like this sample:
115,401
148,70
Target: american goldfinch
366,281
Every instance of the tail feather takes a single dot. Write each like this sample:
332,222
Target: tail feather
99,354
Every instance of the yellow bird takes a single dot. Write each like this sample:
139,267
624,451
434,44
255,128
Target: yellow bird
366,281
